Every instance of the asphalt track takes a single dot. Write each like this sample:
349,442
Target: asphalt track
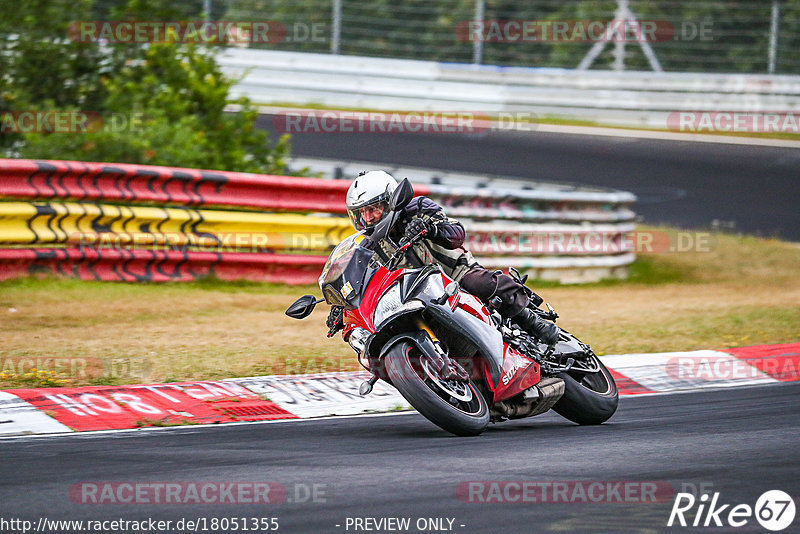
739,442
684,184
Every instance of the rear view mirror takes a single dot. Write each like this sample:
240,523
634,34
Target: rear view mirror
302,307
402,195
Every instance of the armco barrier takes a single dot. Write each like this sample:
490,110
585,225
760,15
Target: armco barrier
136,222
627,98
45,223
135,184
161,185
135,265
482,196
102,224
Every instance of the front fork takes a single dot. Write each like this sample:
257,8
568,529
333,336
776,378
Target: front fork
441,362
448,369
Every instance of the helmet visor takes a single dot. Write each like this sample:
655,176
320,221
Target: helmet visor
365,217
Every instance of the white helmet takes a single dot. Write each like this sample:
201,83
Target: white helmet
368,198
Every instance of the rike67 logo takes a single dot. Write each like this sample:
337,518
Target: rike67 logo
774,510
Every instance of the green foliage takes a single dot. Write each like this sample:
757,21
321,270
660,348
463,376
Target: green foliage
171,110
161,104
40,62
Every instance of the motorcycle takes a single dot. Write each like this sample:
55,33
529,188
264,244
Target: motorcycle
457,361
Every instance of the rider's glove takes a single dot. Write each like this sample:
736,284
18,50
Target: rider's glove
416,225
334,321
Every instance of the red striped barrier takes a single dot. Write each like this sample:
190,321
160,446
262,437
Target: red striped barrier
137,265
27,179
164,187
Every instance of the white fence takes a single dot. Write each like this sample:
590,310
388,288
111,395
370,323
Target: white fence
621,98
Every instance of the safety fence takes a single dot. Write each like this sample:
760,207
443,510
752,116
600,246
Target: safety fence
674,35
143,223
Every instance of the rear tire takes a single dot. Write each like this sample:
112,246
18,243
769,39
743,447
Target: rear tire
590,401
465,416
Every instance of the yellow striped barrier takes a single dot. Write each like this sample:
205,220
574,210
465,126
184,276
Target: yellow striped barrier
110,226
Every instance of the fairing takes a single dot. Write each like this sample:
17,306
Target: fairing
349,268
484,336
507,371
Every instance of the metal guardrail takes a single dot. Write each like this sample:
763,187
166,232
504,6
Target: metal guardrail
111,182
623,98
46,223
137,265
482,196
136,222
549,230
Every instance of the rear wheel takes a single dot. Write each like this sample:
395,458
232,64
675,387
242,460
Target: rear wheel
590,398
453,405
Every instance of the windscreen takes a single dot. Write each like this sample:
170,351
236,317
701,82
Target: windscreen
347,270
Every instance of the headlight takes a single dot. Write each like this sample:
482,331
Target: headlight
391,305
358,339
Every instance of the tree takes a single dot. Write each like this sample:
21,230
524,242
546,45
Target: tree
169,109
160,103
40,66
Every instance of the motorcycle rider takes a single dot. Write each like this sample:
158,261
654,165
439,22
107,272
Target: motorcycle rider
368,203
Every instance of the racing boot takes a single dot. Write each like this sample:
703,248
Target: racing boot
546,331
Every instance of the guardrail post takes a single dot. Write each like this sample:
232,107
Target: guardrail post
477,45
773,35
619,44
336,30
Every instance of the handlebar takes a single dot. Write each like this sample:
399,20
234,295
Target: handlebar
403,246
550,314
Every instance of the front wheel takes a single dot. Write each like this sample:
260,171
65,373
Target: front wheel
455,406
589,399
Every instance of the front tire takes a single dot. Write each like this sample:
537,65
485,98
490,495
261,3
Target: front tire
592,400
457,407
